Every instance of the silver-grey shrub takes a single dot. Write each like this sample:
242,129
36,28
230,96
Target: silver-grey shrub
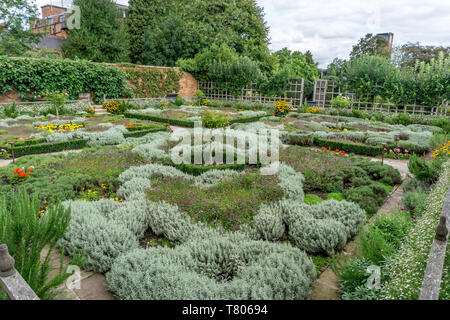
221,267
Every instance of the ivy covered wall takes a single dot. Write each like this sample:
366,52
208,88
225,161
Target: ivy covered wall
28,78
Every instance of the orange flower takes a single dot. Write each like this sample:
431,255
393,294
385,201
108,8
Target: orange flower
30,170
23,175
342,154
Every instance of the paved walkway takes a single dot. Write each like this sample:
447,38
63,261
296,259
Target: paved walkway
92,285
326,286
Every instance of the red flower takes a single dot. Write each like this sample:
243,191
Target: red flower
23,175
342,154
30,170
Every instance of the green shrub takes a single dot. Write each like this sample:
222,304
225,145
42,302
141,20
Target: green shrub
413,202
353,274
374,246
426,171
27,234
49,147
366,197
11,111
31,76
378,171
300,139
340,102
214,119
176,122
312,199
349,147
335,196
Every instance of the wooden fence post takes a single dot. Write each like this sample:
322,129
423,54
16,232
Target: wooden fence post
13,284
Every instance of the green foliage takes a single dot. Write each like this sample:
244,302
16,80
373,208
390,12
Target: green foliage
177,122
101,36
191,26
409,54
426,171
340,102
30,77
234,75
372,76
413,202
371,45
336,196
27,234
349,147
383,237
214,119
11,111
152,83
312,199
20,151
15,38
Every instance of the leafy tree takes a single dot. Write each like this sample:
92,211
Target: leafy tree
297,64
200,65
101,37
372,45
409,54
372,76
199,24
15,35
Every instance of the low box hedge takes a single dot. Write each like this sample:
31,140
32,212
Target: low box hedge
49,147
141,133
197,170
24,143
360,149
245,120
185,123
176,122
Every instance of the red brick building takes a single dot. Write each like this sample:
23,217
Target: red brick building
53,21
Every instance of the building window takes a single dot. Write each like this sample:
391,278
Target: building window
62,18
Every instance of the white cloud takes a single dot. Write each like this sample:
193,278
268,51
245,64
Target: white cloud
329,28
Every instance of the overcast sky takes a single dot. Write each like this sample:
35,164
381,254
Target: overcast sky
329,28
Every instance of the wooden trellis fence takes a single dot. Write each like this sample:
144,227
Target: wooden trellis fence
325,91
294,95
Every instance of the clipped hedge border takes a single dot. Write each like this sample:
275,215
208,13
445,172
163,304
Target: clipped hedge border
196,170
141,133
246,120
25,143
185,123
177,122
360,149
49,147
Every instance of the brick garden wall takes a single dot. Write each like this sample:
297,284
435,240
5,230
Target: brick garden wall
188,84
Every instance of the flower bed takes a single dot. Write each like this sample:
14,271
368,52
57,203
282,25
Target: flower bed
407,268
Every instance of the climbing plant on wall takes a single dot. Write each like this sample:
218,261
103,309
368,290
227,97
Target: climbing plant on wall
31,77
148,83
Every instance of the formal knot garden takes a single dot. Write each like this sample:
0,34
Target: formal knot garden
106,187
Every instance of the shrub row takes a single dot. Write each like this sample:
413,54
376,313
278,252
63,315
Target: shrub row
197,170
177,122
184,123
350,147
49,147
141,133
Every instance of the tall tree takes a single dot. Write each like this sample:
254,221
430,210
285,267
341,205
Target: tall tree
15,34
409,54
297,64
101,37
372,45
199,24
